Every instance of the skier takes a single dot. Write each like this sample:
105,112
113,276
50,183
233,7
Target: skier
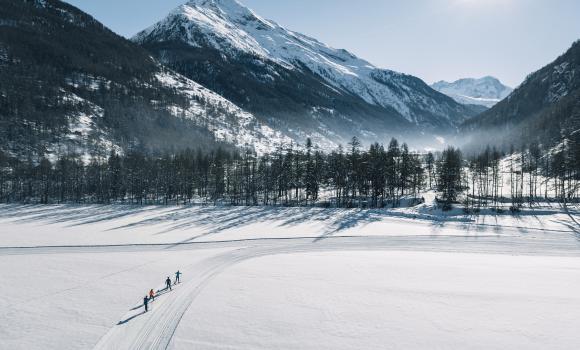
177,275
168,283
152,295
146,303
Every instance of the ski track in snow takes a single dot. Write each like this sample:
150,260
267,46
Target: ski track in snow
159,328
155,329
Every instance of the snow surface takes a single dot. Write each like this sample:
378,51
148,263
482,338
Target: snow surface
64,225
388,300
84,136
287,278
561,79
224,119
69,301
3,55
232,28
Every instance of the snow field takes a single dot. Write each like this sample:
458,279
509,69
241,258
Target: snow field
388,300
69,301
286,278
58,225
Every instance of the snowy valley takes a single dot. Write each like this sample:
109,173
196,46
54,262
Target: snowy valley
219,181
286,278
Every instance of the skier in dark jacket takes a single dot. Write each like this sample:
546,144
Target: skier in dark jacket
146,303
168,283
177,275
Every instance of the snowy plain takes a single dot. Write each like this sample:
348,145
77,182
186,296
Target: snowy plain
287,278
388,300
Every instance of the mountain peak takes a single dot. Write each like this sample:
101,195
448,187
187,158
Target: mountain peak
489,78
225,25
229,4
222,34
206,3
226,7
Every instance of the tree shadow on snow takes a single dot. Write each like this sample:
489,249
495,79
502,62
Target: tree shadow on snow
212,220
209,220
73,215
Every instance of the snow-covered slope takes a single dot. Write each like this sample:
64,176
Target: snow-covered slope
277,55
545,108
486,91
225,120
109,94
230,27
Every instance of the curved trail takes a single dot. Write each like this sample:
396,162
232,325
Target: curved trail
221,248
155,329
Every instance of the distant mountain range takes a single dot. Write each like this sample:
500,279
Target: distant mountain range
486,91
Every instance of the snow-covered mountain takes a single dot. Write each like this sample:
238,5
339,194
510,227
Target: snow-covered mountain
292,81
486,91
108,94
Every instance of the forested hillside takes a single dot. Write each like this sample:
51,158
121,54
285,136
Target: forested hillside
545,109
71,86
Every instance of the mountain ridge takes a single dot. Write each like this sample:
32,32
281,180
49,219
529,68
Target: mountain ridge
544,109
216,35
93,92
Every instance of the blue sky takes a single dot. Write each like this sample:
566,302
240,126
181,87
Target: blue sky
432,39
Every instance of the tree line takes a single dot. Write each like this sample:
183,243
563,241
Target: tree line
351,177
